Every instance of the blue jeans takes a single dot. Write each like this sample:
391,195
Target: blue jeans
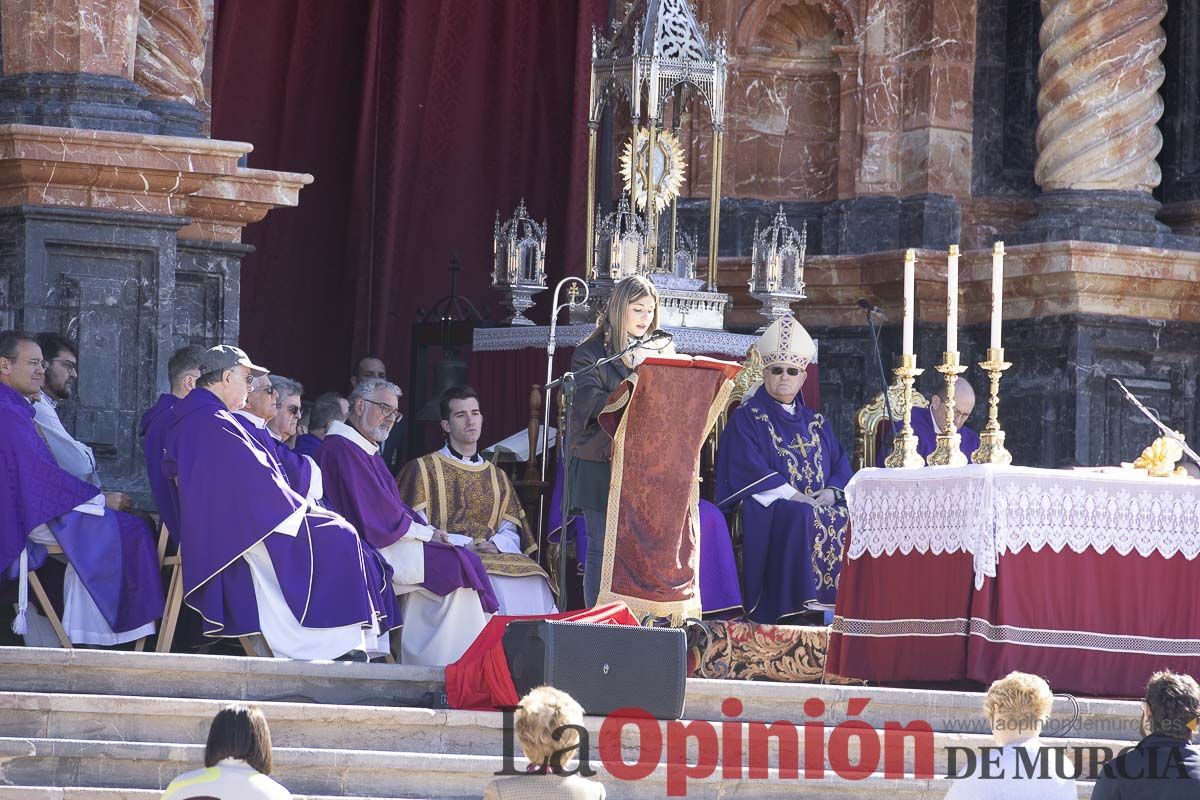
595,521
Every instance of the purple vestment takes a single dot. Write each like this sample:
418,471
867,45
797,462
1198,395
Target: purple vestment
113,554
296,468
232,495
307,445
719,589
360,487
153,430
926,433
791,551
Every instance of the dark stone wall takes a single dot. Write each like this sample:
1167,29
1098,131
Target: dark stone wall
107,281
129,292
1180,125
858,225
1004,141
1057,404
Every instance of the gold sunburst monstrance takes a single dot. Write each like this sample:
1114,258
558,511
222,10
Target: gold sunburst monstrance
667,167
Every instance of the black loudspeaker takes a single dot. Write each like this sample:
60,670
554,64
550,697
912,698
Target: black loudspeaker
604,667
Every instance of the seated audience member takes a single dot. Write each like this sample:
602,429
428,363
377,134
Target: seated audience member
1165,765
1017,707
927,422
237,761
288,394
62,376
542,726
782,462
182,371
258,557
446,596
328,407
256,418
459,491
112,589
392,450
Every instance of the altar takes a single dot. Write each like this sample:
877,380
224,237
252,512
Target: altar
1084,577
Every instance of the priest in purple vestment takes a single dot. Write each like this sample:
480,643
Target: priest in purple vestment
258,557
926,422
782,463
255,417
182,371
327,408
446,595
113,580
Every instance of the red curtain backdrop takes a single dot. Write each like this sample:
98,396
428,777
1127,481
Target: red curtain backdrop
418,120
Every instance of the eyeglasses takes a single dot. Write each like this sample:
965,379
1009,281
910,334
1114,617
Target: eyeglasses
268,390
248,378
69,366
293,410
792,371
388,411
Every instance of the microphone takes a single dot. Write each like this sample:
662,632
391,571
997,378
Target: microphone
870,308
659,335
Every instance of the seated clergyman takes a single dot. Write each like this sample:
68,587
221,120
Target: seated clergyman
461,492
327,408
783,464
112,591
257,417
445,594
259,557
927,422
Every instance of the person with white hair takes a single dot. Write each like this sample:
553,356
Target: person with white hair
781,461
445,595
547,724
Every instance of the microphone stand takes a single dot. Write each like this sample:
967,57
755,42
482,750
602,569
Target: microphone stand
566,402
573,285
887,404
1158,423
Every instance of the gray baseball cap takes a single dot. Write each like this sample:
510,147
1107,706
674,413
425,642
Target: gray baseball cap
226,356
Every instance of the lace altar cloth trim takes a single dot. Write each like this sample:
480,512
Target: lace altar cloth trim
692,341
989,511
1013,634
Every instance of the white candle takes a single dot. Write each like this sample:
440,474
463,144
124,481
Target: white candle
910,268
952,300
997,292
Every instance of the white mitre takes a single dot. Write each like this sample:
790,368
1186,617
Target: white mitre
786,342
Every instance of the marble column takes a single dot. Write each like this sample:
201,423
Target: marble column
172,40
70,63
1098,134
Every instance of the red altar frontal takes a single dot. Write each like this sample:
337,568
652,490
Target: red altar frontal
1082,577
506,362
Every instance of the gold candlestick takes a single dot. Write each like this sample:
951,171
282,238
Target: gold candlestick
991,441
904,446
949,451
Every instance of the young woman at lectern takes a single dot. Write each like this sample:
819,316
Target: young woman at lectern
632,314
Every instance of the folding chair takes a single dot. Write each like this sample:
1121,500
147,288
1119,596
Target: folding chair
43,601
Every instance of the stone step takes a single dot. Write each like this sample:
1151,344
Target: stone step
92,793
239,678
41,669
372,774
423,730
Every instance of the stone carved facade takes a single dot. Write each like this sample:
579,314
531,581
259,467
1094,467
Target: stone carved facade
126,240
1037,121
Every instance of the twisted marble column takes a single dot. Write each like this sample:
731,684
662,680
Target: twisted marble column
1098,106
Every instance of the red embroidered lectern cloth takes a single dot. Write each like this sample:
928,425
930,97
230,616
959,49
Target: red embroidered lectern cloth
659,419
